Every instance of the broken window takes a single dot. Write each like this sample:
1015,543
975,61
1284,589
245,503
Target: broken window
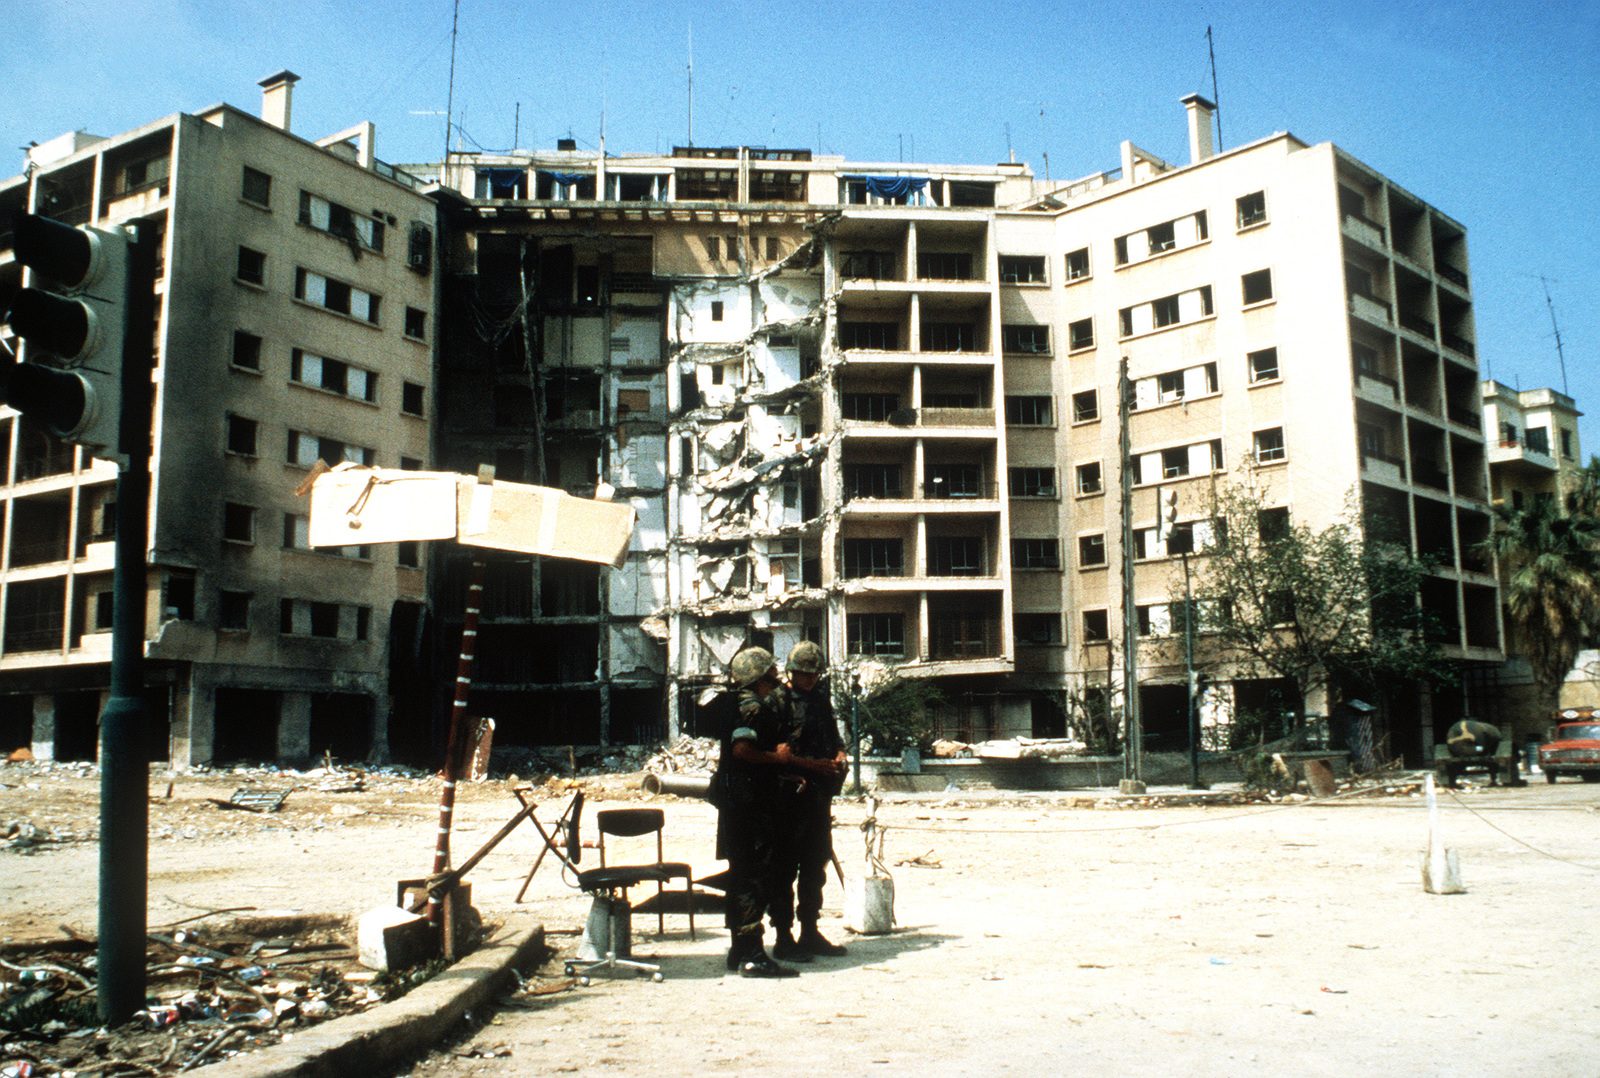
1022,269
971,194
1025,339
1175,462
1256,286
1085,406
1033,482
1035,554
1162,237
341,222
233,611
872,480
1078,264
1086,478
238,523
955,555
411,396
949,337
252,266
873,557
306,449
1037,629
632,402
944,266
1263,365
256,188
1096,626
241,435
1030,411
1251,209
333,375
1269,445
875,336
1080,334
875,634
246,350
1091,550
869,407
954,480
777,186
707,185
336,296
868,265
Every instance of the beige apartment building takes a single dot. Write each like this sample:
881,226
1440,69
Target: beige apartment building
296,301
875,404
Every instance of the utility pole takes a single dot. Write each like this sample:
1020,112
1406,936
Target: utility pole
1133,742
1182,544
855,732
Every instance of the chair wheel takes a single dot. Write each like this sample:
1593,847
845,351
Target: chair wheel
569,968
584,981
657,978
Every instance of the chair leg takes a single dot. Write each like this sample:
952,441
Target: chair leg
689,886
661,913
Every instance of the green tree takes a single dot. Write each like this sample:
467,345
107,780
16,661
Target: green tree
1549,553
1336,607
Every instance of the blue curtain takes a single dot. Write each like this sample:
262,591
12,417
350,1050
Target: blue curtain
892,187
503,182
567,179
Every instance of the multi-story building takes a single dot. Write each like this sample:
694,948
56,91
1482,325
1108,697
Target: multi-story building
876,404
295,306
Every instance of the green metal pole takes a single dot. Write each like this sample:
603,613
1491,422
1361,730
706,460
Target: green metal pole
124,727
855,732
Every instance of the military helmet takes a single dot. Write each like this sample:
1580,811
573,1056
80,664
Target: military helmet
750,666
805,658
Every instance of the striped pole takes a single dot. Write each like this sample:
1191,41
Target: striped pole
458,731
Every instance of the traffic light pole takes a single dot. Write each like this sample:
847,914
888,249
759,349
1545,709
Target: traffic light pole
124,728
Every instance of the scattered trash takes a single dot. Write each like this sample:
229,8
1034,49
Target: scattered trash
1221,962
1336,991
925,860
253,800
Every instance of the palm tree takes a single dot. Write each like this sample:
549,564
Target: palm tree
1550,557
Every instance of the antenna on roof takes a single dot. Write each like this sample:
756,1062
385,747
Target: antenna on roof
1216,99
1561,355
1011,155
516,127
450,94
691,84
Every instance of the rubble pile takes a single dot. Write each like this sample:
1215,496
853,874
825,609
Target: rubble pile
568,760
210,995
22,836
694,755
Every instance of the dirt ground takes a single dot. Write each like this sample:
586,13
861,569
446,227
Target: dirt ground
1036,933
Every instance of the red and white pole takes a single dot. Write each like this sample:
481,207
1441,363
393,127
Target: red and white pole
458,731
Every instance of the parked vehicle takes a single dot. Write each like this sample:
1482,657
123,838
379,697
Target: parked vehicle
1574,749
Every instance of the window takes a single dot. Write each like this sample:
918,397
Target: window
944,266
416,323
306,449
774,251
1033,482
713,247
1166,311
1080,335
869,407
411,396
296,531
408,554
301,617
241,435
1162,237
233,611
1537,440
1038,629
1272,524
949,337
333,375
1078,264
1175,462
1269,445
872,480
1022,269
1085,406
1155,619
1091,551
1263,365
1030,412
954,480
878,336
336,296
357,229
1566,444
873,557
256,188
875,634
252,266
410,464
955,555
1278,607
1096,626
1251,209
238,523
868,265
1257,286
716,310
1087,479
246,350
1035,554
1033,340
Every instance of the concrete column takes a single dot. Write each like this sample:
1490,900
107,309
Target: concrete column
44,726
294,729
194,711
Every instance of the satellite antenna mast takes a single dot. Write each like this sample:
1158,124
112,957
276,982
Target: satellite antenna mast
1561,355
691,84
450,93
1216,98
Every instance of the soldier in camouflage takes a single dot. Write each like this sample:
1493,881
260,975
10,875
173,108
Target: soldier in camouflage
805,813
752,720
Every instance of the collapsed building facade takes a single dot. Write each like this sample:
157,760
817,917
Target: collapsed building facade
875,405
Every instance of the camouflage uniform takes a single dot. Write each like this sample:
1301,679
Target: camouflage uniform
805,815
746,824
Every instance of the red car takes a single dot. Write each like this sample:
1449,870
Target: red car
1575,748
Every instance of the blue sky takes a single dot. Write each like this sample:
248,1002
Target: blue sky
1488,111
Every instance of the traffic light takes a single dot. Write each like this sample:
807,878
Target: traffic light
73,319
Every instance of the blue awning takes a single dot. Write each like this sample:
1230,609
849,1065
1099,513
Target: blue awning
567,179
892,186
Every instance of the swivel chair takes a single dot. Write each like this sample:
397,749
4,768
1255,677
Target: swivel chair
610,914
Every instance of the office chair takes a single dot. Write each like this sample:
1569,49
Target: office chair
637,822
610,913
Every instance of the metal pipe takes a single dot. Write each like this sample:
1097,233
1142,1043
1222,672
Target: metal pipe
458,730
678,785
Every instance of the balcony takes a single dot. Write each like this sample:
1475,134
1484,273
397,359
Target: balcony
1418,325
909,418
1381,466
1454,276
963,637
1460,345
1365,230
1370,308
1464,415
1516,455
1377,388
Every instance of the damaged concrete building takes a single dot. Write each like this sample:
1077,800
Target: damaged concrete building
874,404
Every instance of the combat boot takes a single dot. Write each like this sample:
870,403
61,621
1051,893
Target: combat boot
815,943
785,947
760,964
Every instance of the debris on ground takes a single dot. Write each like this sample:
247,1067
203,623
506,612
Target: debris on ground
212,993
253,800
697,755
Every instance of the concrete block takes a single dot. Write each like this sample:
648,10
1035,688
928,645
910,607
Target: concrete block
389,938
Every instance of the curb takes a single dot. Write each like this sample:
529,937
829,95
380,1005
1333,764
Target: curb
375,1040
